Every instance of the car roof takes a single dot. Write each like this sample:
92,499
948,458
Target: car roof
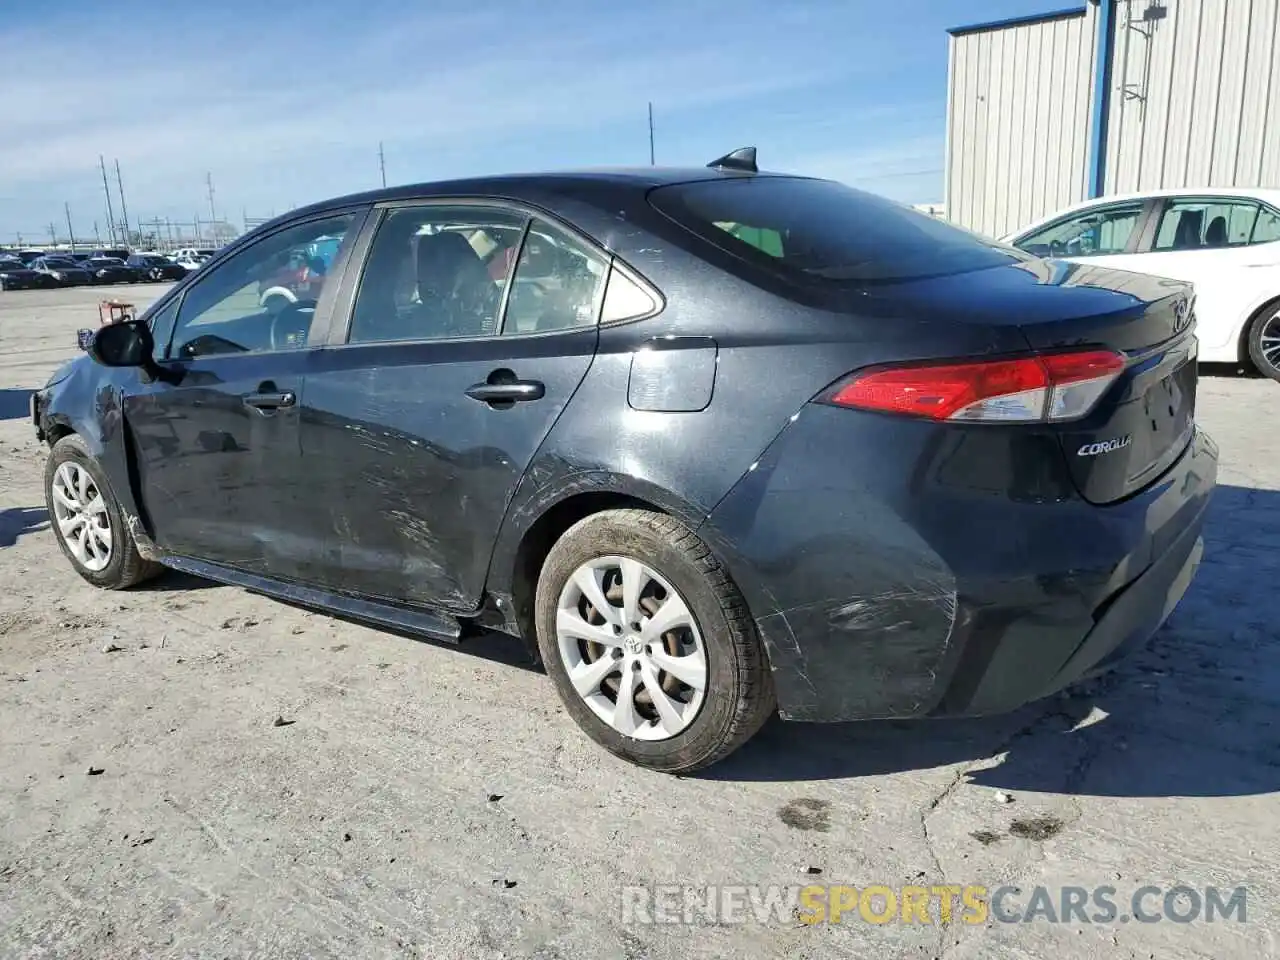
1270,195
517,185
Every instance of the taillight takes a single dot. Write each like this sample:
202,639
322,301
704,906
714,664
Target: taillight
1060,386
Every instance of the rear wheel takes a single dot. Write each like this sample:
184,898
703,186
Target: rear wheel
1264,341
649,642
87,520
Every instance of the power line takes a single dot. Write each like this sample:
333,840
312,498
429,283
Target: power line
900,173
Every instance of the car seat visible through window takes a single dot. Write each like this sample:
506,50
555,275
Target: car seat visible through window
1216,235
1187,236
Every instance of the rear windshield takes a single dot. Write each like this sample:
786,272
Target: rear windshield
824,230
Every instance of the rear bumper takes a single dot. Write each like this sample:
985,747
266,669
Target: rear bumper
890,578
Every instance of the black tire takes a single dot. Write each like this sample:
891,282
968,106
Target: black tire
1267,321
739,694
126,567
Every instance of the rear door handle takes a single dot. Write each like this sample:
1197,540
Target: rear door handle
515,391
270,401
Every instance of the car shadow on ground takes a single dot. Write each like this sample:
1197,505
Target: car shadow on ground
15,404
175,581
16,521
1197,713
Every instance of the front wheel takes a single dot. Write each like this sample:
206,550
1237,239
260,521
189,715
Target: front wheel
649,643
1264,342
87,520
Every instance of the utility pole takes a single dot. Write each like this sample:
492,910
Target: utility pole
213,214
97,237
382,163
70,233
124,212
111,217
53,235
652,161
197,222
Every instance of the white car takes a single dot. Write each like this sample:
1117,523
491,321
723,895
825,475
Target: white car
198,254
1224,241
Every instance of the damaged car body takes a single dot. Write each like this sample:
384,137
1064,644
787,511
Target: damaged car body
717,443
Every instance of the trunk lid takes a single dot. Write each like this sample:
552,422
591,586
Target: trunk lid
1146,419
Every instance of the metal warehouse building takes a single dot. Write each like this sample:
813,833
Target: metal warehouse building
1116,96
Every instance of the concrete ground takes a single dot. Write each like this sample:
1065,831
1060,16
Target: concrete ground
432,801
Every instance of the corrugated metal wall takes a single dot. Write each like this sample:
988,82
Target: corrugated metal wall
1018,118
1195,95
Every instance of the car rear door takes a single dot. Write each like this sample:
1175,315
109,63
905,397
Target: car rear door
216,438
1208,242
470,327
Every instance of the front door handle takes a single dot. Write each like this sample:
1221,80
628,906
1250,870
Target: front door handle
270,401
512,392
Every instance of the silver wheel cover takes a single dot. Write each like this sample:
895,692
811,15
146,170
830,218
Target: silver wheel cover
631,648
80,515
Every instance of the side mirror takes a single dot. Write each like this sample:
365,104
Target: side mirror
126,344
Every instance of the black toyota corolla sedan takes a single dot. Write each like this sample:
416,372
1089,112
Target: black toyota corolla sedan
716,443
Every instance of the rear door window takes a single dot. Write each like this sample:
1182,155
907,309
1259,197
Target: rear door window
437,272
821,231
1198,224
558,283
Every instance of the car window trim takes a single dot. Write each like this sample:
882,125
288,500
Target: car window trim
344,305
321,320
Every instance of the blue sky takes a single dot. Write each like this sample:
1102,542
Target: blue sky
287,104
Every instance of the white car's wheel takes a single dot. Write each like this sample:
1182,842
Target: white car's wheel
1264,341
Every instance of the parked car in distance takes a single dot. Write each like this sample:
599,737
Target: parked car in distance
777,445
1224,241
190,264
66,272
15,275
29,256
153,267
110,270
113,253
192,253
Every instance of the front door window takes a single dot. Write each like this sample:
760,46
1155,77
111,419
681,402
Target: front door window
263,298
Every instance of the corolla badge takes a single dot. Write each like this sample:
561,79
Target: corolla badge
1105,446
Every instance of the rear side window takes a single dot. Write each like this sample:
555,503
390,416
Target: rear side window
1267,228
821,230
1196,224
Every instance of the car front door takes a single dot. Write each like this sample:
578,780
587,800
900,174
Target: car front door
1219,244
470,329
216,438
